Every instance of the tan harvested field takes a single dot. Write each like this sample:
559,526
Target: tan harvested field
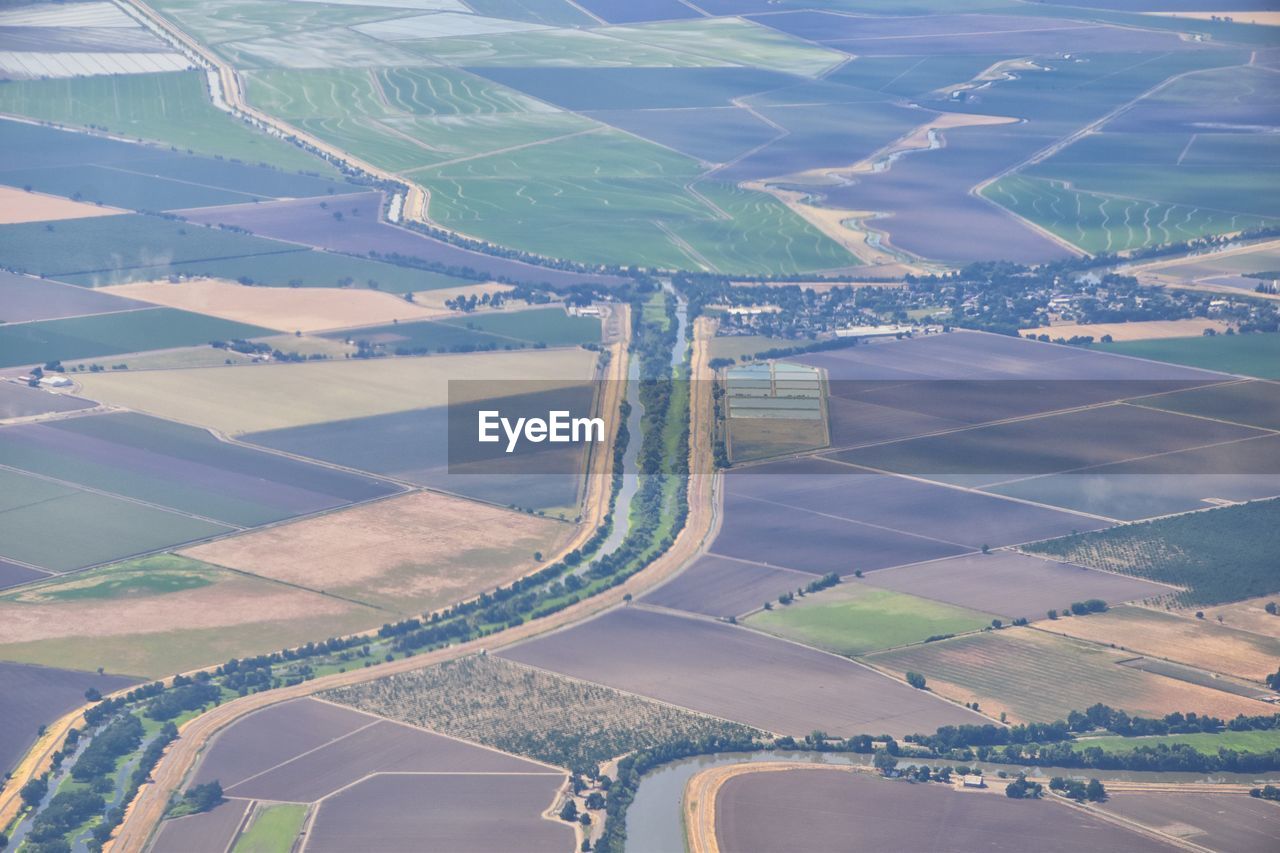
17,205
165,618
407,554
274,396
1248,615
1199,642
434,299
289,309
1146,330
1034,676
1262,18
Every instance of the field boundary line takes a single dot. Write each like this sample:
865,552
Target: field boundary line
290,760
179,211
138,501
1223,421
455,738
83,316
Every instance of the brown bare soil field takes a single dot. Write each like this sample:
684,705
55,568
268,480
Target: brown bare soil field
1146,330
1262,18
1034,676
1199,642
289,309
1248,615
18,205
411,553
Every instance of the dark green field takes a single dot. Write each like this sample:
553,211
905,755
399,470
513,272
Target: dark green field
112,334
1220,555
1248,355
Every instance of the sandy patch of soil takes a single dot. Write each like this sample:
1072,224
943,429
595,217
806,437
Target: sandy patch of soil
18,205
1145,330
289,309
408,552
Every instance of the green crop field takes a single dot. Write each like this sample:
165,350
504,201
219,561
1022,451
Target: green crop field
1207,743
1103,222
272,829
852,619
1248,355
1220,555
550,326
92,528
1038,677
733,41
112,334
106,244
171,108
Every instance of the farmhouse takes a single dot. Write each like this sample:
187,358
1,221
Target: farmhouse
972,780
55,381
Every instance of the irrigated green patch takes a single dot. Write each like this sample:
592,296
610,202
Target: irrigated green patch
853,618
148,576
172,108
273,829
1207,743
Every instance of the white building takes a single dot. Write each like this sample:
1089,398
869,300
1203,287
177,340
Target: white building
55,380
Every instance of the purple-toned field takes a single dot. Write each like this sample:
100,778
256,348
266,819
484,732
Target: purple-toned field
34,696
778,535
1013,585
361,232
1231,823
711,134
719,586
12,574
20,401
23,298
475,814
380,785
380,746
957,516
736,674
929,210
960,34
833,809
1051,444
207,832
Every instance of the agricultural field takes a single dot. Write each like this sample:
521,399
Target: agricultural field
155,463
735,674
35,695
356,772
1248,615
283,309
1233,822
116,173
1013,585
852,619
172,109
1202,643
360,231
1037,677
25,299
241,400
414,553
724,587
1218,556
99,335
30,206
105,528
1250,403
1205,742
821,809
1246,355
530,712
159,615
18,400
